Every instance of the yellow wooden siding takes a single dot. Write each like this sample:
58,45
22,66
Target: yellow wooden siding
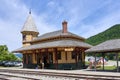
63,58
69,58
53,57
26,44
33,59
29,37
83,56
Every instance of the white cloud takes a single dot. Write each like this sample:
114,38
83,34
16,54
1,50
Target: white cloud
78,14
43,26
103,24
14,13
11,26
79,10
51,4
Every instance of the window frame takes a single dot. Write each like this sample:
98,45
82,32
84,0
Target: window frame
73,55
59,55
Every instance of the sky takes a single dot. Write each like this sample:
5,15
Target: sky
85,17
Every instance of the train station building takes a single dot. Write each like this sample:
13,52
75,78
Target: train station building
56,50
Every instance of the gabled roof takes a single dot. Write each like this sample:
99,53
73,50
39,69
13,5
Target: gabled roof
107,46
29,25
57,34
58,43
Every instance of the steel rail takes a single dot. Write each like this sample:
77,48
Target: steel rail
8,76
60,74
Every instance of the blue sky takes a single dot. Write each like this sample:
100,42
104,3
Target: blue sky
85,17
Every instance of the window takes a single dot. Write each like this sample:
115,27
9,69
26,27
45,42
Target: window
73,55
29,57
35,56
79,57
59,55
38,58
24,58
50,57
24,37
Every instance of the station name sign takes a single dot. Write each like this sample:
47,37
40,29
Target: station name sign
69,49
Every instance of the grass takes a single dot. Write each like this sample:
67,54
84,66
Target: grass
2,67
87,62
107,68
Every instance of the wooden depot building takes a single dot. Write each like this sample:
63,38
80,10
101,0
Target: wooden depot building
56,50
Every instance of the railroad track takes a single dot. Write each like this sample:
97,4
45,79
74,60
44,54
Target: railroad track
36,75
4,76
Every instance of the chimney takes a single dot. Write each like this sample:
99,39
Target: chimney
64,24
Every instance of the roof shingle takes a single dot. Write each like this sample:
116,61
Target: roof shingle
107,46
58,43
29,25
57,33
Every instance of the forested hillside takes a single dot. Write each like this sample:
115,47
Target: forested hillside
111,33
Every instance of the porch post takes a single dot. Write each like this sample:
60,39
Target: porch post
103,55
41,58
95,61
83,57
26,58
56,59
76,58
117,62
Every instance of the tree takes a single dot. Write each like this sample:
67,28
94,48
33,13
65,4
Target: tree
5,55
12,57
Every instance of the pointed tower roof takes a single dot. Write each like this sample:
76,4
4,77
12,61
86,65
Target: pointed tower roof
29,25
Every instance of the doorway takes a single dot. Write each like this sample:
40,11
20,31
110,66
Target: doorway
45,60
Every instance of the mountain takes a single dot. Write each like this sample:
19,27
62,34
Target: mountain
19,55
111,33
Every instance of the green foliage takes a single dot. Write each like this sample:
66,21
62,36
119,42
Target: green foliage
87,62
107,68
111,33
5,55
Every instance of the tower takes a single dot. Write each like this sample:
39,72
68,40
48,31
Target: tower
29,31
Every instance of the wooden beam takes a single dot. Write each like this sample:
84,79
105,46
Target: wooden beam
24,58
39,55
34,56
76,58
117,62
56,58
66,55
26,55
83,57
95,61
103,55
